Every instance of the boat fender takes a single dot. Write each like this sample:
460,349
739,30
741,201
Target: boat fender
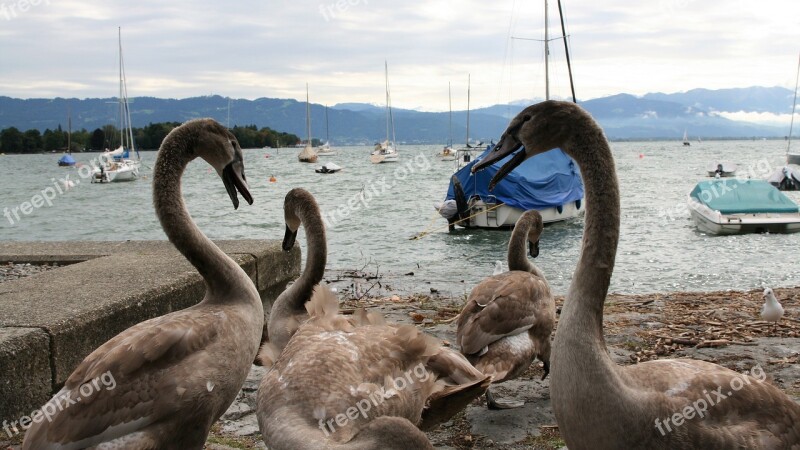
578,204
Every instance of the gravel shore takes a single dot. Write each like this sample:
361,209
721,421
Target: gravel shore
11,271
721,327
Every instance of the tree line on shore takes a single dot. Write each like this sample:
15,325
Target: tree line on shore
149,137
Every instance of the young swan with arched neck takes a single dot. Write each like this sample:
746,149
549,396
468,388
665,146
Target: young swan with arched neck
661,404
356,382
289,310
173,375
508,318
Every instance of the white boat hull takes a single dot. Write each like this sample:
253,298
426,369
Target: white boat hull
711,221
385,158
483,215
116,172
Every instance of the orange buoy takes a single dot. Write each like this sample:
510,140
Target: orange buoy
272,179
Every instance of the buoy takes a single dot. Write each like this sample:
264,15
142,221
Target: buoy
641,155
266,156
272,179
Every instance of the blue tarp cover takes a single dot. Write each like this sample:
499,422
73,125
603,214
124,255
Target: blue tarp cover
66,159
549,179
734,196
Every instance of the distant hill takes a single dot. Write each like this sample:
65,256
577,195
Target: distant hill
623,116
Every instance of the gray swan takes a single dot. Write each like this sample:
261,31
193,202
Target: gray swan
289,311
357,382
508,318
661,404
176,374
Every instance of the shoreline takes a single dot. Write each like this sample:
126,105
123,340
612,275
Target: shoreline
718,326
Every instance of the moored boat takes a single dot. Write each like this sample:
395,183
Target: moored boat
737,206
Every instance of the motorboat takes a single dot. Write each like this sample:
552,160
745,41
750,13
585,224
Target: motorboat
736,206
723,169
328,167
786,178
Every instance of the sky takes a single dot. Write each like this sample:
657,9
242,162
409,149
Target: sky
272,48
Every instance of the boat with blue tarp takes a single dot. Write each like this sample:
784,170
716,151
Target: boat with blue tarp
737,206
549,183
66,160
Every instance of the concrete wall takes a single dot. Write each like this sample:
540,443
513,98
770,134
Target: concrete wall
52,320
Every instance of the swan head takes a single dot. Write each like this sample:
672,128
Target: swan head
532,220
536,129
219,148
297,204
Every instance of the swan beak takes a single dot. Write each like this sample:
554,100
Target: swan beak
288,239
505,147
533,249
234,179
546,370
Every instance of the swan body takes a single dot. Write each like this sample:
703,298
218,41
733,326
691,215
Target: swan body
359,383
661,404
355,381
289,310
173,375
509,317
772,311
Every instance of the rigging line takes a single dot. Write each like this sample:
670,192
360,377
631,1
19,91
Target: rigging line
426,232
505,53
794,105
566,51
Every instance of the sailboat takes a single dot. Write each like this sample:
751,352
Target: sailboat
119,164
326,149
557,192
309,153
448,153
686,142
67,160
386,151
793,158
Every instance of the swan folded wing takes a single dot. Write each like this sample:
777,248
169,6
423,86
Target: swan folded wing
146,387
720,405
510,307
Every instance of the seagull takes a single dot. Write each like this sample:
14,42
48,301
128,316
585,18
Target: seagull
498,268
772,311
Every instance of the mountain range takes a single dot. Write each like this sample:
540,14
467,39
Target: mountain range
652,116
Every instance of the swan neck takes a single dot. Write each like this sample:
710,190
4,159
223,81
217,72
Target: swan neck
216,268
583,305
314,270
517,246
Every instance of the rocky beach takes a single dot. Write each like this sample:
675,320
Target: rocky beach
720,327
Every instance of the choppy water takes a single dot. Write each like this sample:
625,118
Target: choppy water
660,249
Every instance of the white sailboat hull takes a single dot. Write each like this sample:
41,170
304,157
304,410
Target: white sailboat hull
487,215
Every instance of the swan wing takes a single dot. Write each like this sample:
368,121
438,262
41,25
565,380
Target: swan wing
500,306
132,381
719,407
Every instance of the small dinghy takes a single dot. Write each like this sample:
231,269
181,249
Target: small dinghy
328,168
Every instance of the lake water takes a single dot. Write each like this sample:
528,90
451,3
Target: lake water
660,249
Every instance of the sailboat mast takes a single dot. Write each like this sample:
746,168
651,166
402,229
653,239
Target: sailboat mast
69,132
308,119
450,120
566,51
794,105
386,73
121,102
468,89
546,55
327,135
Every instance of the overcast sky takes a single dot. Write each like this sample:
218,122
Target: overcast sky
271,48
